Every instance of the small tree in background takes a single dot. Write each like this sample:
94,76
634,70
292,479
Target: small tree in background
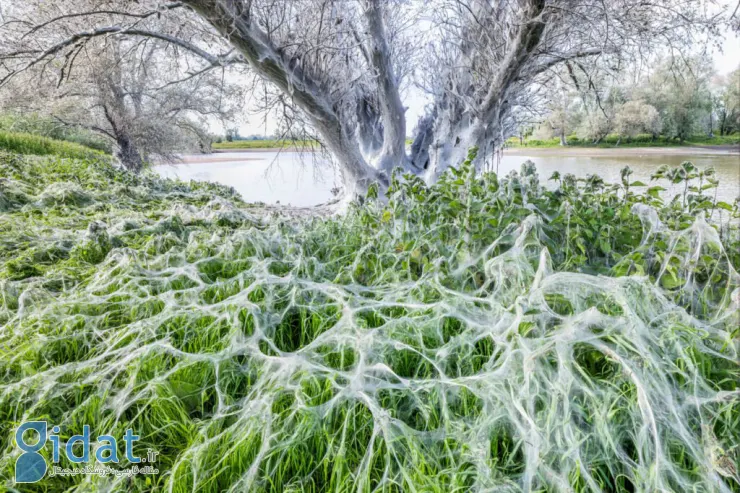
637,117
726,99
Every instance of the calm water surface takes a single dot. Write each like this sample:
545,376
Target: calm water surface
294,178
302,180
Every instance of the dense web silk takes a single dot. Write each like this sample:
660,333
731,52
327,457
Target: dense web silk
268,357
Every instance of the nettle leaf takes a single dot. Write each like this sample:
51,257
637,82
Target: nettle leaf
688,166
655,191
638,183
671,281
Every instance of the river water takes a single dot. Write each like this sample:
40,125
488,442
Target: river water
301,179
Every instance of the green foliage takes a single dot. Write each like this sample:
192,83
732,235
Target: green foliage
34,144
262,144
675,103
481,333
640,140
52,129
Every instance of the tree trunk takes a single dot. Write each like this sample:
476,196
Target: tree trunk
451,128
393,152
128,154
563,141
236,24
357,176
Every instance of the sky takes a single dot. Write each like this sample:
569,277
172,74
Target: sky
726,60
729,59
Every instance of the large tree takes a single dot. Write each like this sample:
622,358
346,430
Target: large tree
338,66
131,91
681,93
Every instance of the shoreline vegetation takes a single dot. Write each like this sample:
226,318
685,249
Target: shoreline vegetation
260,144
27,143
614,141
728,142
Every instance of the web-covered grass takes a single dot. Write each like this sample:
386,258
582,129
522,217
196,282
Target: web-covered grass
477,335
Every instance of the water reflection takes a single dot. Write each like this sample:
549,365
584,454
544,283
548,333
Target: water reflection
301,179
727,166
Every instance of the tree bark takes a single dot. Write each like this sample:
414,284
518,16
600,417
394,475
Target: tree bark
233,21
393,152
128,154
455,129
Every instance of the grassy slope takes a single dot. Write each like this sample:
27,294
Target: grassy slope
49,127
309,356
22,143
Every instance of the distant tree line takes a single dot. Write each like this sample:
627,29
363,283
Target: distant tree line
674,101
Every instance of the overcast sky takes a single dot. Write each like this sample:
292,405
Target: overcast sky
729,59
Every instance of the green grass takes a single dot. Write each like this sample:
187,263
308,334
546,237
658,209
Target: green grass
638,141
483,333
22,143
263,144
31,123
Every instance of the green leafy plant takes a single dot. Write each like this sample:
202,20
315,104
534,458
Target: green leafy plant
481,333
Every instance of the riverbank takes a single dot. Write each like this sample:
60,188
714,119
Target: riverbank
548,150
227,155
640,141
569,151
260,145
